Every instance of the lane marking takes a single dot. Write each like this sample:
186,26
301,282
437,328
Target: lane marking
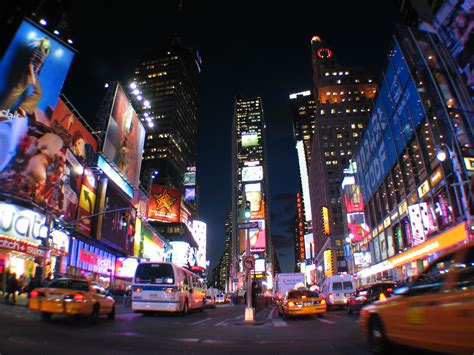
201,321
222,322
325,321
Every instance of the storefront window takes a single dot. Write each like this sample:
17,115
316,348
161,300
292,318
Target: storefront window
398,183
377,249
407,172
406,232
398,238
443,209
383,246
428,145
390,244
418,166
391,192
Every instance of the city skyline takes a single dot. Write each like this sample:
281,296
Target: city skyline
249,71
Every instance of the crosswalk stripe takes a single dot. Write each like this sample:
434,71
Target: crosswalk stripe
201,321
325,321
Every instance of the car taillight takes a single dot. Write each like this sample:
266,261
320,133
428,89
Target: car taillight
34,293
170,290
303,297
291,304
382,297
78,297
330,296
389,289
323,301
137,289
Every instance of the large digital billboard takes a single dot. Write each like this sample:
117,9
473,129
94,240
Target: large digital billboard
32,73
254,195
256,235
249,139
309,246
165,204
74,134
125,137
86,202
252,173
189,178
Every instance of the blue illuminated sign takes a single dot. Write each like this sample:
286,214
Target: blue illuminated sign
114,176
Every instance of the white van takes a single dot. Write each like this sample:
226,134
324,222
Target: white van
337,289
166,287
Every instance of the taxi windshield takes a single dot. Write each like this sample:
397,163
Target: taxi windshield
70,285
301,293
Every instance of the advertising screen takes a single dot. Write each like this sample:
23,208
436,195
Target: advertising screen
32,73
325,220
309,246
257,205
165,204
86,202
190,193
90,258
257,237
252,173
126,267
74,134
141,201
249,139
259,265
113,231
362,258
189,178
125,137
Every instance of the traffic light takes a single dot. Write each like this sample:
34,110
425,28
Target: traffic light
247,210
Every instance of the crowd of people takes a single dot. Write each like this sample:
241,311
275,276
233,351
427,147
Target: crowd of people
11,285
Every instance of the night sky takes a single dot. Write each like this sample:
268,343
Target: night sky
251,48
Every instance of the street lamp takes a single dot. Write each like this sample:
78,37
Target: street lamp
441,155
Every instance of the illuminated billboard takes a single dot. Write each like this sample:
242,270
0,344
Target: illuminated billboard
189,178
190,193
74,134
165,204
254,195
86,202
309,246
32,73
362,258
422,222
126,267
252,173
259,265
257,237
249,139
325,220
125,137
328,263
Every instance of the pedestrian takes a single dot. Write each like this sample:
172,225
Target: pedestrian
21,284
232,298
31,285
11,287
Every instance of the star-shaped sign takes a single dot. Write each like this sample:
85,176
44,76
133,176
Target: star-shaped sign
164,200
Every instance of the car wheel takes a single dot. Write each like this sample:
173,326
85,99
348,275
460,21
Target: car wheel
378,341
320,315
185,308
46,315
94,316
111,315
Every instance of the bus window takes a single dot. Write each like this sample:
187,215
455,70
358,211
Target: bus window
154,274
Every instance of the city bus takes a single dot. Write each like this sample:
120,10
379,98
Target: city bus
166,287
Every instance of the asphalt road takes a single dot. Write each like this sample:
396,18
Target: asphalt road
216,331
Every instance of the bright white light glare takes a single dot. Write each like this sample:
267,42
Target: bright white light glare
146,103
43,22
136,92
139,97
56,32
146,114
70,41
106,85
133,86
79,169
150,124
348,240
58,53
441,155
148,119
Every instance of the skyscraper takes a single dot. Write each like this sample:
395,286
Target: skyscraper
343,99
250,184
168,80
303,109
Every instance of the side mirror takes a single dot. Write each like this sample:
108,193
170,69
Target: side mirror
402,291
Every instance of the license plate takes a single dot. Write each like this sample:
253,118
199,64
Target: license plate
308,303
153,295
347,294
54,296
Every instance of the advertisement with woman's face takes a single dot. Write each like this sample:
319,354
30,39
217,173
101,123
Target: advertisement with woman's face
125,137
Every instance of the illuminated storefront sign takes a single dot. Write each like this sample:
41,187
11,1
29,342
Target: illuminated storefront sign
126,267
362,258
445,240
386,222
22,223
423,189
304,179
90,258
469,163
403,208
328,263
436,177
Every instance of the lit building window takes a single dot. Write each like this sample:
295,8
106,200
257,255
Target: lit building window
323,112
355,134
353,125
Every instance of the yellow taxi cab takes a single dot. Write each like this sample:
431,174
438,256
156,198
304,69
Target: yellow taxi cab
302,302
435,312
72,297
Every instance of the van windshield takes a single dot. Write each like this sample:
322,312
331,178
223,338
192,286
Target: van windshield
154,274
337,286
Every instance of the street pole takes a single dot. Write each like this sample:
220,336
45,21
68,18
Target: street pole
249,310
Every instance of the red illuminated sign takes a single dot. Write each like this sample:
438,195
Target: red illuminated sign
165,204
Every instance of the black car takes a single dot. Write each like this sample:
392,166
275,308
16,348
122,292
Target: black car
370,293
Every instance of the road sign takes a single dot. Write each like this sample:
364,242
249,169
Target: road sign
248,225
249,262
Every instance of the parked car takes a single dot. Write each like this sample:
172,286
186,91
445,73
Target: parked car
435,312
368,294
72,297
